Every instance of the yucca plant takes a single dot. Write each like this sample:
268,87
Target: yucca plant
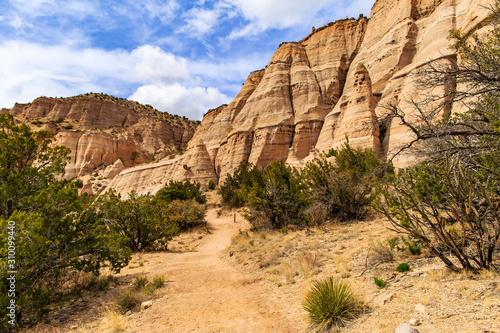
330,303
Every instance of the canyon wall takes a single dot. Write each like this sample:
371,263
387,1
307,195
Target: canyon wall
313,94
101,130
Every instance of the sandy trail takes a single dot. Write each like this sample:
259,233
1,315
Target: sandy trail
205,293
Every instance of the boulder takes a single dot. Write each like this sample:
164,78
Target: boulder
405,328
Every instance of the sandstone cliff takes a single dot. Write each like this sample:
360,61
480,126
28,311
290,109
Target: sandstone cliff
101,130
315,93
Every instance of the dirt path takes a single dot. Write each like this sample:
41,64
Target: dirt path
205,293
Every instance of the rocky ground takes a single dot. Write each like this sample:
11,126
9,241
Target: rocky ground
234,280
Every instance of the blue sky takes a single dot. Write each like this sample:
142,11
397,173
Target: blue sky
183,57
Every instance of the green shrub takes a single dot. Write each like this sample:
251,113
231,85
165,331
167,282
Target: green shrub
344,189
181,191
330,303
411,245
102,282
95,283
414,247
403,267
56,232
185,214
211,185
143,219
282,200
236,188
443,207
393,242
379,282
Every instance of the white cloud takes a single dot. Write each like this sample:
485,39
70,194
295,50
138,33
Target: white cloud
192,102
155,77
17,22
170,86
281,14
156,66
265,14
161,9
201,21
30,70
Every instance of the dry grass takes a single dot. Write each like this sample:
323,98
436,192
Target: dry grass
380,253
283,257
454,302
113,322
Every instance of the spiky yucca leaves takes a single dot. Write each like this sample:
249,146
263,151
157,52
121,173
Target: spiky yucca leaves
330,303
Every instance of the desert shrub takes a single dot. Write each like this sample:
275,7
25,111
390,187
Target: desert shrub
53,229
140,282
330,303
128,300
142,219
393,242
403,267
449,210
158,281
379,282
409,245
102,282
181,191
94,282
236,188
381,253
345,188
186,214
317,214
146,287
211,185
359,163
281,200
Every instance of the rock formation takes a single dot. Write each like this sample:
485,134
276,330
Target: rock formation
106,134
313,94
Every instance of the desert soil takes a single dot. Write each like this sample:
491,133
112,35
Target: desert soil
206,293
233,280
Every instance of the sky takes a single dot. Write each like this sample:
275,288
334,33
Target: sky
183,57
